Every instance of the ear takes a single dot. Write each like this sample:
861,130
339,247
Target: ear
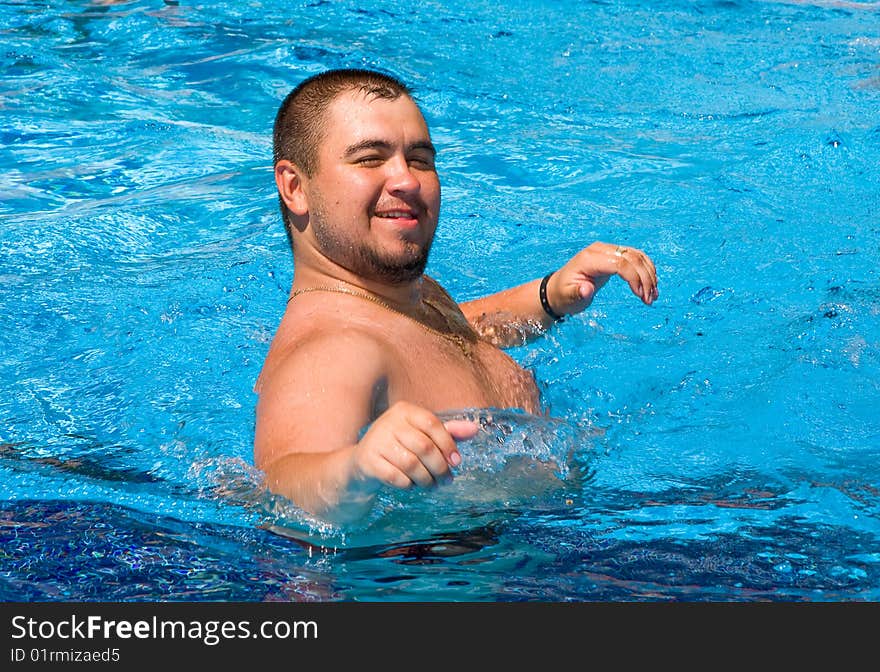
289,180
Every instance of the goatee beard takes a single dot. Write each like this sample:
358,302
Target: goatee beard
369,264
366,261
394,271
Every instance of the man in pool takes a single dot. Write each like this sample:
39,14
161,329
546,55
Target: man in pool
370,349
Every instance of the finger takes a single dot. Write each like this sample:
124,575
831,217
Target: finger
426,462
653,292
636,276
649,264
646,282
405,456
639,271
387,472
588,289
462,430
431,425
651,267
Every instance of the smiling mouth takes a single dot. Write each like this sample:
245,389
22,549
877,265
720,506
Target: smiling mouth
397,214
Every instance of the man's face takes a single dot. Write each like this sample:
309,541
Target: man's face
374,199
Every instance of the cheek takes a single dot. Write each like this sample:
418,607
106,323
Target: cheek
345,184
358,190
430,190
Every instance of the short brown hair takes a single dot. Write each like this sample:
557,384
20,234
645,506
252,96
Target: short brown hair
300,121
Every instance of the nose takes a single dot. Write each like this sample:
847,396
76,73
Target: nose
401,178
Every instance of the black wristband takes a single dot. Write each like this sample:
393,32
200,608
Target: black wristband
545,304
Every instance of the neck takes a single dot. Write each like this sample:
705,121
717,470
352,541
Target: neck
405,295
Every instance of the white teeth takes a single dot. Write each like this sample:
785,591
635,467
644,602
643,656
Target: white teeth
394,214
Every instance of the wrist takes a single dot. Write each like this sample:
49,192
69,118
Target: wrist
355,484
545,301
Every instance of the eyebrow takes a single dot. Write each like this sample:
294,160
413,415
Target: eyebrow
351,150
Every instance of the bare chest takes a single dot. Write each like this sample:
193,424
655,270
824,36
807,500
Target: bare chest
442,375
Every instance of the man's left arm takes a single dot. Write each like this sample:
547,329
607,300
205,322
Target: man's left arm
516,315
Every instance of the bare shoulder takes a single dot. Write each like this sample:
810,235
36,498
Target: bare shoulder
321,354
318,389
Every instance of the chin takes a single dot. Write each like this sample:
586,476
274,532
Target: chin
402,268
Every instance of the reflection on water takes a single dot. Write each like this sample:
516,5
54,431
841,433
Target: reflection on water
538,510
97,552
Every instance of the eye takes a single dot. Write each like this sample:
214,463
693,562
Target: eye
370,160
422,162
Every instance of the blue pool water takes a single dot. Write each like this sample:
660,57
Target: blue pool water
722,444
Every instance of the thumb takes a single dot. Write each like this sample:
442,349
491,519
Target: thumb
587,290
462,430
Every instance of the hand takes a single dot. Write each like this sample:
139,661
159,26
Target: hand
408,445
572,288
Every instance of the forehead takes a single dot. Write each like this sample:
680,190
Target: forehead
354,116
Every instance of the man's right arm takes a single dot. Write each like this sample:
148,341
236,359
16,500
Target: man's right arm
312,406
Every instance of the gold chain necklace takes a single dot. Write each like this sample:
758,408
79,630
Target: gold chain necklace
464,344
